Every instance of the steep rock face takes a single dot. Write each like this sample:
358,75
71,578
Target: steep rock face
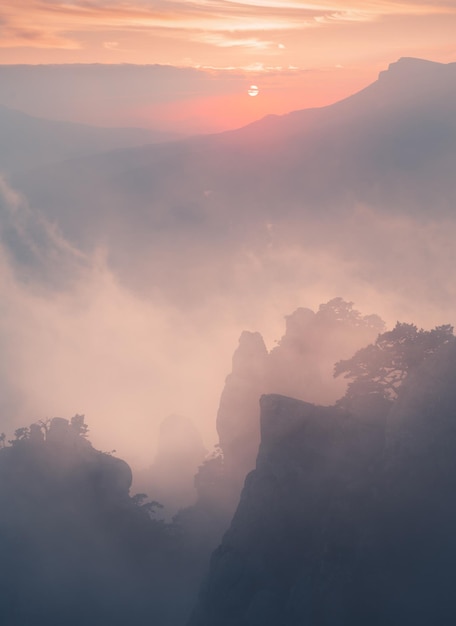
301,366
295,518
348,518
415,541
238,414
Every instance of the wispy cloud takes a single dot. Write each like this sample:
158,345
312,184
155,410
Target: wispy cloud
35,248
223,40
49,23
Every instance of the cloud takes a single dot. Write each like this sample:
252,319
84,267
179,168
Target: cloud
344,16
74,340
67,25
36,251
232,40
111,45
16,37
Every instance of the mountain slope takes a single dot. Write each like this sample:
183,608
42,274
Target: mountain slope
401,129
27,142
310,179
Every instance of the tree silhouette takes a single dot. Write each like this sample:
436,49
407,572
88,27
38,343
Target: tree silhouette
20,434
151,508
340,310
78,426
381,368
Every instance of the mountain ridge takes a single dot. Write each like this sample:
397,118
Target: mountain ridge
389,149
28,141
404,68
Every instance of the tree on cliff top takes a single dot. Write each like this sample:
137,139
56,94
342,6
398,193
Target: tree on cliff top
381,368
339,310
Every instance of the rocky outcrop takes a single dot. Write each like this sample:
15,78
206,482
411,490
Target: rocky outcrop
238,414
59,459
295,516
348,518
301,366
75,548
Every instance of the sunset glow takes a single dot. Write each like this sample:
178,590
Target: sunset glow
229,34
310,53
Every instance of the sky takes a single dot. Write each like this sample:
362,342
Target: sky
299,54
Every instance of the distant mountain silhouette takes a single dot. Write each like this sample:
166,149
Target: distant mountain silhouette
408,81
400,123
169,207
27,142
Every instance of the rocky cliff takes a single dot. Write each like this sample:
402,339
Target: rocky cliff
301,366
348,518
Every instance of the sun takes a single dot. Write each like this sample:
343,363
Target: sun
253,90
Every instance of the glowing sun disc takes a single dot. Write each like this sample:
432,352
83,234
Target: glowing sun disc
253,90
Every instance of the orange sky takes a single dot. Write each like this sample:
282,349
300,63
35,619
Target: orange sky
299,53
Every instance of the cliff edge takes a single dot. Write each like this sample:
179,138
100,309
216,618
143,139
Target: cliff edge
348,518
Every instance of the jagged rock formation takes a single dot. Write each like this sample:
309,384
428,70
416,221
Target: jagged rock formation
237,417
294,512
348,518
300,366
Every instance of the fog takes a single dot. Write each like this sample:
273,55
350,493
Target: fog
77,338
128,276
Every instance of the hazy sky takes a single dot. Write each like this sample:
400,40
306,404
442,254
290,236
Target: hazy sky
300,54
